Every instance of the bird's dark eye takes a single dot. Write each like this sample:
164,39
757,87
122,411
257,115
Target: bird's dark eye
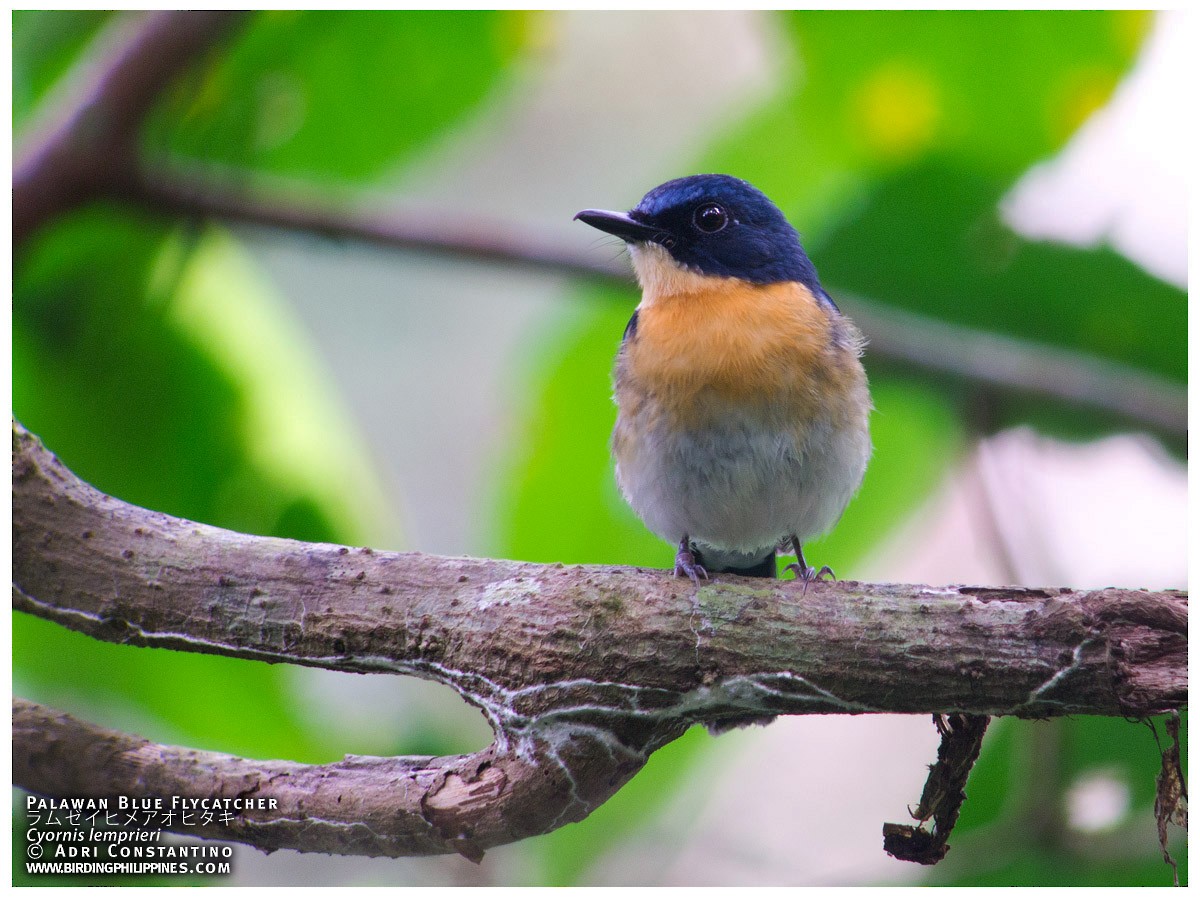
710,218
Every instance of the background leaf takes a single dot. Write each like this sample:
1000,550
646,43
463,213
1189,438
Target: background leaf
872,92
337,96
46,43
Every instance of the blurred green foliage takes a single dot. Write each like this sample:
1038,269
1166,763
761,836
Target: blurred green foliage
157,361
275,100
869,94
904,130
45,45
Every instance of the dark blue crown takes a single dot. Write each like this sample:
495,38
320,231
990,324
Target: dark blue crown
720,225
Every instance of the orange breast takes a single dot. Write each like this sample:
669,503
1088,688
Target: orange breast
695,352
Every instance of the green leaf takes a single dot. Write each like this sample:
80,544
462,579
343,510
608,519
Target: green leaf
870,92
337,96
929,239
162,370
100,374
892,141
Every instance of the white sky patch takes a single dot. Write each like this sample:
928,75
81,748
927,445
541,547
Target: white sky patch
1123,178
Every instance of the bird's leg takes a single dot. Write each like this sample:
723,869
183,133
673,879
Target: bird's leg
685,563
805,572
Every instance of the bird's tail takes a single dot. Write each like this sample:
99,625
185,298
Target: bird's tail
737,564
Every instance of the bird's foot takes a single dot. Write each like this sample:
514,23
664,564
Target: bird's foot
686,565
805,572
808,574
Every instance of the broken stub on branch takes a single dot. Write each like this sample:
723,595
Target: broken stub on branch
962,736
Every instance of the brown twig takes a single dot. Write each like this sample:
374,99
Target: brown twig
944,793
1170,795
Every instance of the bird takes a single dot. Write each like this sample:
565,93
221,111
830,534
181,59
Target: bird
743,407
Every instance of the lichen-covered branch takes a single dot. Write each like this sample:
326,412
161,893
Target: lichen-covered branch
583,671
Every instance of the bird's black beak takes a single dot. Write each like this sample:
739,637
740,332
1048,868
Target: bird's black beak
622,226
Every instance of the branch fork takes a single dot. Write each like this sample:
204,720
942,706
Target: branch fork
582,671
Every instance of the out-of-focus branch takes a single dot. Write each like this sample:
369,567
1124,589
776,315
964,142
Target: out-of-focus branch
583,671
985,359
88,142
1007,364
428,231
86,147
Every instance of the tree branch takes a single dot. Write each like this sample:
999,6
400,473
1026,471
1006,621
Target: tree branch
583,671
367,806
996,362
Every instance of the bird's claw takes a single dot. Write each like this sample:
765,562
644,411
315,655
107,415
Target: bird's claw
808,574
686,565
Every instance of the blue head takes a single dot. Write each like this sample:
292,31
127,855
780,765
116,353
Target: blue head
715,225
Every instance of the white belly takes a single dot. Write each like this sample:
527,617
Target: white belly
740,485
